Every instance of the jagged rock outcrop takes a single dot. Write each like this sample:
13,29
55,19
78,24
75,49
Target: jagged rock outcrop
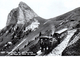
12,17
21,15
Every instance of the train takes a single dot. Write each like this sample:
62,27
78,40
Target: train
49,42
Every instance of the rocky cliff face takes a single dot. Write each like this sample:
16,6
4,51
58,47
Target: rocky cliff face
12,17
21,15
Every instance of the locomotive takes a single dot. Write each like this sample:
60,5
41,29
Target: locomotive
47,43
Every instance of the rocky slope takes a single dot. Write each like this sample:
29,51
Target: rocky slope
24,25
23,16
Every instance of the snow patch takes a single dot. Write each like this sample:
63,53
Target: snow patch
33,26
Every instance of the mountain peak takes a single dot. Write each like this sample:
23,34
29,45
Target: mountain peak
23,5
22,14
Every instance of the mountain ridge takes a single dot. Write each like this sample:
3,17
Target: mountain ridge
24,24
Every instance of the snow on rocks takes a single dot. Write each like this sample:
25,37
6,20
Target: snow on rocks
33,26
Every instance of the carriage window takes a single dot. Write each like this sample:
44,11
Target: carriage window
45,39
50,38
41,40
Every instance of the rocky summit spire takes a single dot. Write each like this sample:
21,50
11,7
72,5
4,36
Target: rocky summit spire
22,14
23,5
12,17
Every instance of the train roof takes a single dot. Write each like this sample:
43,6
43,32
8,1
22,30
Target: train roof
61,31
46,37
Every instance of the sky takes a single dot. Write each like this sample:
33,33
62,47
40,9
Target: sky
44,8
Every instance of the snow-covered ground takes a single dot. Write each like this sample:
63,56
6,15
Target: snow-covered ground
34,25
59,49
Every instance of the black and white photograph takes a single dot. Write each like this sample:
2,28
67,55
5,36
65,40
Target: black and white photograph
39,28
